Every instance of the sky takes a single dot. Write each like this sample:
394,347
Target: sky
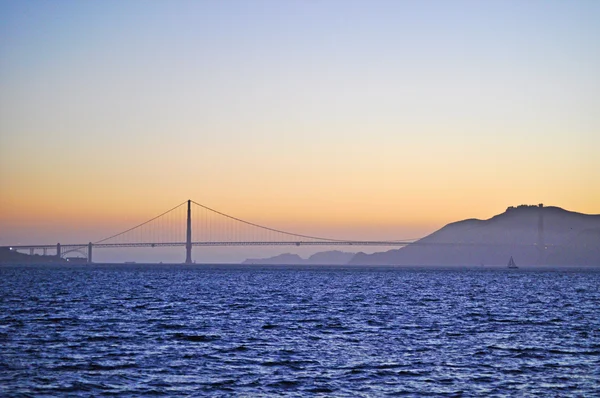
349,119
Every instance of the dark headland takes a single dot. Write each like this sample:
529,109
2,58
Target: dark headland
533,235
8,256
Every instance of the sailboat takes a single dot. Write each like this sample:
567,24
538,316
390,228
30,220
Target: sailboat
511,263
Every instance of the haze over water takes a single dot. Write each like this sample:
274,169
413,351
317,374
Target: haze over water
297,331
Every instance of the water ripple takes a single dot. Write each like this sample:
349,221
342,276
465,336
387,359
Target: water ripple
222,331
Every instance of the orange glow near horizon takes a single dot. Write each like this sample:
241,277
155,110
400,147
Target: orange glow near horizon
346,219
282,128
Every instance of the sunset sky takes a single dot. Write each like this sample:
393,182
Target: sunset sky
349,119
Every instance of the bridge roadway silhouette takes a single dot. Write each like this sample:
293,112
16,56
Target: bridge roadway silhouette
233,237
215,229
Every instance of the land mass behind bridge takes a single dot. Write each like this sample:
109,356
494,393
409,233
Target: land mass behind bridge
533,235
8,256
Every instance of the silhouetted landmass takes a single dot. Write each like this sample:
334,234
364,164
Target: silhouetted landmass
583,249
329,257
286,258
569,239
8,256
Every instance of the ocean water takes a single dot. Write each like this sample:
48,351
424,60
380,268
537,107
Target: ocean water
197,330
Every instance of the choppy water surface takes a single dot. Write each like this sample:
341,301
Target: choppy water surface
207,330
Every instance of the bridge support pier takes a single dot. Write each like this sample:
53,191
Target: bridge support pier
58,253
188,237
89,256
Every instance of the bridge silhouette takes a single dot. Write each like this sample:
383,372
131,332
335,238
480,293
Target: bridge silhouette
197,225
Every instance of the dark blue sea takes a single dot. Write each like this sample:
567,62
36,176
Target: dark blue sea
136,330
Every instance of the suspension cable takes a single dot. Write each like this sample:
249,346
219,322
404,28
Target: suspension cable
267,228
137,226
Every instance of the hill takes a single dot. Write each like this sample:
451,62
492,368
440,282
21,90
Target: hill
329,257
8,256
568,238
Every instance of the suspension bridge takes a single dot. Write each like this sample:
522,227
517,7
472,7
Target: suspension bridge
192,224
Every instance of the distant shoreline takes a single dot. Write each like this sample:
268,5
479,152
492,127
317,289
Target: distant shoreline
308,267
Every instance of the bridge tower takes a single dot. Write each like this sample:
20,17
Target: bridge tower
58,253
188,239
89,256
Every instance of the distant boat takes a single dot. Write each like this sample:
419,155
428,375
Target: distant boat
511,263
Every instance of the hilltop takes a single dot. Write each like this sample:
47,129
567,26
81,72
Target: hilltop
569,238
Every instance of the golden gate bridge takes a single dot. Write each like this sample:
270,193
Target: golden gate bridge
198,225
